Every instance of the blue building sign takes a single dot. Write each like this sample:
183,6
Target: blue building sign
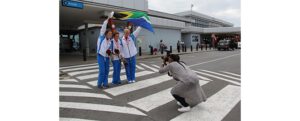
73,4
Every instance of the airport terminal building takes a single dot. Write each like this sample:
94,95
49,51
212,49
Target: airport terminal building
80,23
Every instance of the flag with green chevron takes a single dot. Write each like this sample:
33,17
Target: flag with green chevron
136,18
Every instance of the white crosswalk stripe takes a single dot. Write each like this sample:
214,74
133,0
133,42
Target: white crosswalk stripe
74,86
153,69
215,108
221,75
231,73
123,77
68,80
67,67
101,107
155,100
234,82
83,94
81,68
95,75
139,67
138,85
83,72
75,119
156,66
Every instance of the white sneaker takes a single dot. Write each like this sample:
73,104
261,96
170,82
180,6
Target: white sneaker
184,109
133,81
178,103
129,82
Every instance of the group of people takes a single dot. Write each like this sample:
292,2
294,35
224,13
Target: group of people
112,48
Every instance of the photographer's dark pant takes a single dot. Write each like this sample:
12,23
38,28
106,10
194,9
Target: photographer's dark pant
181,100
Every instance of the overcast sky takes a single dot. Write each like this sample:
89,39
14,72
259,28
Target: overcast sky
228,10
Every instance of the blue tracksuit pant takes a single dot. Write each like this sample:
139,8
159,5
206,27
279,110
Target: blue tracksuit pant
103,63
130,68
117,71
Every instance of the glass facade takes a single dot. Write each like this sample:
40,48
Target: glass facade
200,22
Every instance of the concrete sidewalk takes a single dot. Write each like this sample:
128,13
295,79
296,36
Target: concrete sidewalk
69,59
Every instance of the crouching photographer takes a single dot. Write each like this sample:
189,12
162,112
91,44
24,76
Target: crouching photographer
187,90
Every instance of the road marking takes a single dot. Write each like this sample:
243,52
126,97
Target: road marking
215,108
101,107
81,68
83,72
74,119
156,66
123,77
213,60
153,69
234,82
222,75
95,75
138,85
73,86
231,73
202,77
67,67
155,100
68,80
139,67
83,94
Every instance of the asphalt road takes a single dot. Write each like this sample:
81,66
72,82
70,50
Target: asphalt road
149,99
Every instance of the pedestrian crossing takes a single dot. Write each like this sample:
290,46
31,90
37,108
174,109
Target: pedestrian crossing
215,108
85,77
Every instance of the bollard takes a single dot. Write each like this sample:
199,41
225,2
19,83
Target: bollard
140,51
191,48
197,46
178,49
84,54
209,47
151,50
205,46
170,48
201,47
185,48
182,48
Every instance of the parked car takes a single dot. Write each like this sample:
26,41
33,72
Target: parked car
226,45
239,45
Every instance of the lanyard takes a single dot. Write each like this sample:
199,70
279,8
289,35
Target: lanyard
117,44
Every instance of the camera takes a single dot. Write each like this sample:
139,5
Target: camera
165,58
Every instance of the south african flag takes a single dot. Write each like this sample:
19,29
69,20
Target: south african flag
136,18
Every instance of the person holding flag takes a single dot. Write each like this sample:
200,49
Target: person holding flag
129,52
104,49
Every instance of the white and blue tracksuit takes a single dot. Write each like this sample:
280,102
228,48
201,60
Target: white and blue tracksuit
129,52
117,61
103,59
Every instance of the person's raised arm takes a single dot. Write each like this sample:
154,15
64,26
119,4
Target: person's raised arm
137,31
103,28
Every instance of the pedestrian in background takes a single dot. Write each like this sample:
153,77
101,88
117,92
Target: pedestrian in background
178,46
